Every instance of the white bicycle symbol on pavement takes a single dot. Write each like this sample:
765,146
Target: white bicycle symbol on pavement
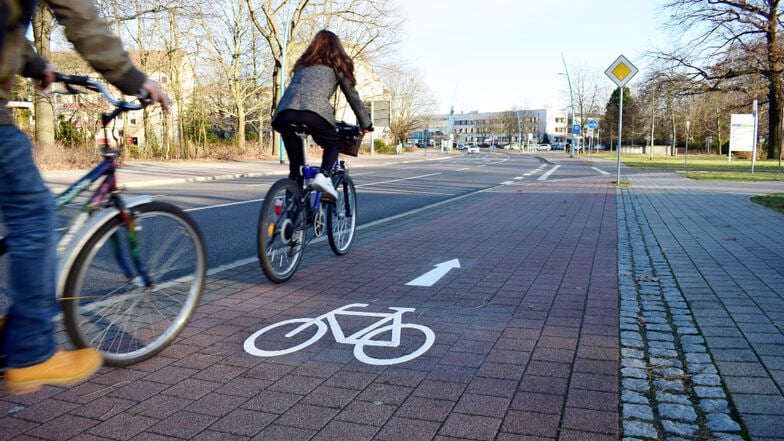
360,339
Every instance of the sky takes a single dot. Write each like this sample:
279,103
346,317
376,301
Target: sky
495,55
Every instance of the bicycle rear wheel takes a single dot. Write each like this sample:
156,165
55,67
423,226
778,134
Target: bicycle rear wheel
280,234
342,217
106,304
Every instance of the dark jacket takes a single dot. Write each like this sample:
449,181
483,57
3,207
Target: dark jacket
90,35
312,87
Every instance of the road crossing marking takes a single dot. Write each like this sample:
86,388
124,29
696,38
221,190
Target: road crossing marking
547,175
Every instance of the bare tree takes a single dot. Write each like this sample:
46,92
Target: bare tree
231,50
43,24
588,91
734,39
374,19
411,103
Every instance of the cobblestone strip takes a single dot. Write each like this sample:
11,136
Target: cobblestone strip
670,388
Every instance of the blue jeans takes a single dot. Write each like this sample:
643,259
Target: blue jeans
27,209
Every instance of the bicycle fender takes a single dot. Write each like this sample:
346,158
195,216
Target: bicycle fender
66,259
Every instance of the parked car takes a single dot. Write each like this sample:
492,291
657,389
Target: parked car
472,149
543,147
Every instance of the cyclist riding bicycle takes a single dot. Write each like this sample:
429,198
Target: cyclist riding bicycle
32,358
323,67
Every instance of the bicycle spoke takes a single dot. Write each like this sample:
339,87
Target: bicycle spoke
123,318
280,231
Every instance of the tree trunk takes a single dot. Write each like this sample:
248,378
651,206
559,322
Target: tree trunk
44,112
241,124
775,117
276,93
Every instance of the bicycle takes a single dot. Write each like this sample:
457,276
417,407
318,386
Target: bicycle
289,212
130,272
360,339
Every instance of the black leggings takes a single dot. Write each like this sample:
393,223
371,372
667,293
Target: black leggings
320,129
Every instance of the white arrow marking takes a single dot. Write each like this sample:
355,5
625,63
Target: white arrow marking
434,275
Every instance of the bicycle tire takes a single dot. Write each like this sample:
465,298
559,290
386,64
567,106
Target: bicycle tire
281,232
359,347
252,348
115,313
342,217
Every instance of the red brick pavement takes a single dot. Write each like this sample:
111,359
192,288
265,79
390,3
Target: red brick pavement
526,339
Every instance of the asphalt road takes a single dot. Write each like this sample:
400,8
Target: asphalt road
227,210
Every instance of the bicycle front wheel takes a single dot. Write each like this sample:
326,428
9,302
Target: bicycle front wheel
342,217
280,234
129,311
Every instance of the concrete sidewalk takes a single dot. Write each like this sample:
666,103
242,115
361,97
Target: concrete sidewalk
651,312
702,308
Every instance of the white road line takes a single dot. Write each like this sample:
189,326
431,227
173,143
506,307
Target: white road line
252,201
547,175
601,171
398,180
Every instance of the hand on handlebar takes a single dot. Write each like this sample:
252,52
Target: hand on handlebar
48,77
155,94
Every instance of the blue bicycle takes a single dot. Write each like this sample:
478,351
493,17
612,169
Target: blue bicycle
130,271
291,216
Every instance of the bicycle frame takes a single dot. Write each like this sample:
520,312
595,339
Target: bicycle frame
106,195
105,169
309,172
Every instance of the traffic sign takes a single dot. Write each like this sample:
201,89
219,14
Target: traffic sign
576,129
592,124
621,71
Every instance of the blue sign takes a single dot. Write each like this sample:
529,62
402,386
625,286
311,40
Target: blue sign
592,124
576,129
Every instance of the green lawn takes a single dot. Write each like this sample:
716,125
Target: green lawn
773,201
702,163
716,168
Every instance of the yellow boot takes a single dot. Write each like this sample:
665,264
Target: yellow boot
64,367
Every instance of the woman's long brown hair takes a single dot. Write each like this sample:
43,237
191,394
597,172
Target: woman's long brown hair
327,49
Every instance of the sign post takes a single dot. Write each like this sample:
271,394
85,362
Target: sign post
592,126
620,72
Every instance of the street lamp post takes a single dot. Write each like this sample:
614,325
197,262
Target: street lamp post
281,147
571,100
686,156
519,130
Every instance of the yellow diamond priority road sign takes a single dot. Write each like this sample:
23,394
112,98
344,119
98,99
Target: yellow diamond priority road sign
621,71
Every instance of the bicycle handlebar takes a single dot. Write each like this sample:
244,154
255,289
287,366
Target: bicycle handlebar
96,86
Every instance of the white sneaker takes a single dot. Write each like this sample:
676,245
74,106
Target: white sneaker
324,185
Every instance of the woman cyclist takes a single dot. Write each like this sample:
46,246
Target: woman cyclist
323,67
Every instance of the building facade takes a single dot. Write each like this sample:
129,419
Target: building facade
523,127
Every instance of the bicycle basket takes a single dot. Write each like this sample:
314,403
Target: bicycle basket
349,138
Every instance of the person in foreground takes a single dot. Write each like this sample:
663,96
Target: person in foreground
315,78
31,356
